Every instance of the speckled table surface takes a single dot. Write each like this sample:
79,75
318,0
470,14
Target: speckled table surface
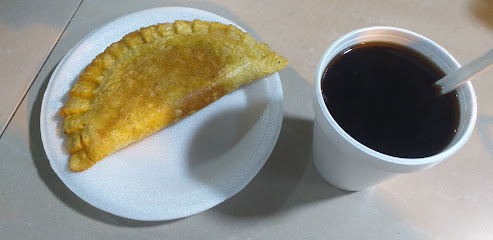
287,199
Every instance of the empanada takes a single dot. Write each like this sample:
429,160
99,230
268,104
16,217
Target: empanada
154,77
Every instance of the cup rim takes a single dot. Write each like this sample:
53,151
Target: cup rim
451,149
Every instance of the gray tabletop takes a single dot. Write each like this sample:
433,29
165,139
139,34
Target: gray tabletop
287,199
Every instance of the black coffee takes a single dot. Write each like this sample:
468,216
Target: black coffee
381,94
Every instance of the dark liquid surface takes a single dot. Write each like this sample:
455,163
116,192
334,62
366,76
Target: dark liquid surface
382,96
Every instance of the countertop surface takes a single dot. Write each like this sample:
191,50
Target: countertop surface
287,199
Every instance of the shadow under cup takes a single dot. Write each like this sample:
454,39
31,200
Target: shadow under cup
350,165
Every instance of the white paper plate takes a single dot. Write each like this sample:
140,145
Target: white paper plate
184,169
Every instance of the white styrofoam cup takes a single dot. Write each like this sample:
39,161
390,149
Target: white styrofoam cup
347,164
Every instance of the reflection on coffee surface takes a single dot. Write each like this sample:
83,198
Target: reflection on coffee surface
381,94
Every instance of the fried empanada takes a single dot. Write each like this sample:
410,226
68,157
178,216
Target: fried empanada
154,77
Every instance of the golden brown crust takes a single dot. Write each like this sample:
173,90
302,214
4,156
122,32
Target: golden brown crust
154,77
